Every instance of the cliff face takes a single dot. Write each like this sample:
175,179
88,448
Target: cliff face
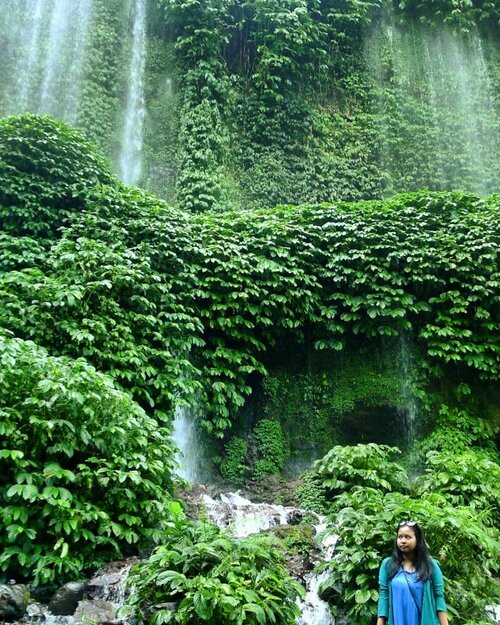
242,105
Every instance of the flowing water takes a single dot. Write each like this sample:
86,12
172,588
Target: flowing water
408,411
132,137
46,47
242,518
436,104
44,65
188,441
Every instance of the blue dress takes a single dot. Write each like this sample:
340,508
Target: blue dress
404,607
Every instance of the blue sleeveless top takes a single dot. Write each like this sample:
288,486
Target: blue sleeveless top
403,604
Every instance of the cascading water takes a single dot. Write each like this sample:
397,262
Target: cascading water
435,101
242,518
409,410
131,148
46,47
187,440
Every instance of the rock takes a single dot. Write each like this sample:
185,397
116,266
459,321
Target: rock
330,594
97,611
65,599
108,582
13,601
169,606
41,593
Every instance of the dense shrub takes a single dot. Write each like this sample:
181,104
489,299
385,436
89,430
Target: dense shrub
270,448
45,168
367,465
214,580
233,467
469,478
84,472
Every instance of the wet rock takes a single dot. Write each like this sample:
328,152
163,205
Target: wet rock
42,593
13,601
97,611
331,594
108,583
65,599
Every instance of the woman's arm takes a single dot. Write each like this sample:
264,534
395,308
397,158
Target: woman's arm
443,618
438,589
383,594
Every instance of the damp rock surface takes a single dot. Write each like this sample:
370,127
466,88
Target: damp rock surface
66,598
13,601
96,611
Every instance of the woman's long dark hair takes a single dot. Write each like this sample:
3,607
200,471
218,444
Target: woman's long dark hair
422,562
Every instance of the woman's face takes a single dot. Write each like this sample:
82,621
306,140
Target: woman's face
406,540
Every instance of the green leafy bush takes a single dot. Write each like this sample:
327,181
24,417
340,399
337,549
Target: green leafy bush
85,474
456,430
213,579
467,478
312,493
270,448
368,465
233,466
45,168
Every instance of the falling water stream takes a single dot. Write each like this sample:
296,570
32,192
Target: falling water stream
44,55
131,148
47,47
434,96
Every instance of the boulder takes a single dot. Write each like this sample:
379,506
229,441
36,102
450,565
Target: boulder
98,612
13,601
65,600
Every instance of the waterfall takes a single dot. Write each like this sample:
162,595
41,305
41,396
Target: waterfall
187,440
435,101
243,518
408,412
47,51
131,148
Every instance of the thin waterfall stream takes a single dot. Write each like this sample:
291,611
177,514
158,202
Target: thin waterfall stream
132,137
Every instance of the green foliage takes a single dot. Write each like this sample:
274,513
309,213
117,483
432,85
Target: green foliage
176,305
456,430
200,36
213,579
270,448
313,407
470,478
369,465
45,168
462,14
85,473
104,77
312,493
233,467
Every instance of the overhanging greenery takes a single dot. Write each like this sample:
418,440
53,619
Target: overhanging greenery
173,304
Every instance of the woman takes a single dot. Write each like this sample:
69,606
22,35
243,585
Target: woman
411,582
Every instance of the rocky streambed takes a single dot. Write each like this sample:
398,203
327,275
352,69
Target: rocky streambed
75,603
